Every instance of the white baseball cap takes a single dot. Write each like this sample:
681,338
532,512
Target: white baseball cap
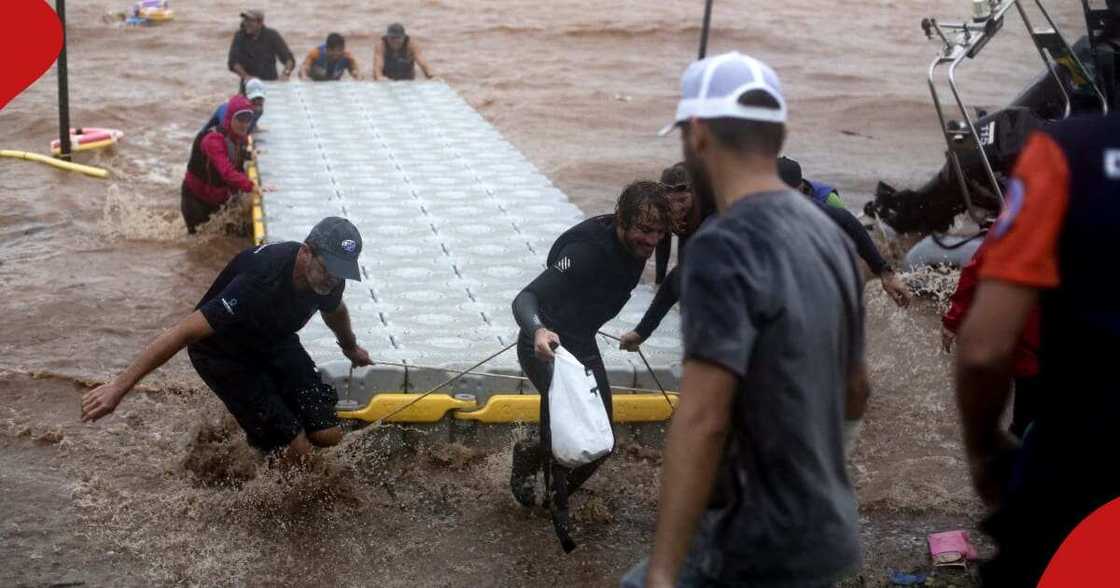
711,87
254,89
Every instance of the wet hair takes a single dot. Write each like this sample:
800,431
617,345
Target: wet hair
335,41
749,136
639,196
675,175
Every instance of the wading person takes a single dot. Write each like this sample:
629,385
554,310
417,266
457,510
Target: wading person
688,213
753,487
1051,248
255,49
592,268
329,61
242,341
216,169
254,91
397,55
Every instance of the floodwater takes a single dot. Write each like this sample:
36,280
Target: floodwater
165,491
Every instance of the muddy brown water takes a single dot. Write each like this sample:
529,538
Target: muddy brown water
91,270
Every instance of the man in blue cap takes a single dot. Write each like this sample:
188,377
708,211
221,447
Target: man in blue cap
242,341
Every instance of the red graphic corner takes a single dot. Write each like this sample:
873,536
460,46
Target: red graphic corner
1086,557
30,38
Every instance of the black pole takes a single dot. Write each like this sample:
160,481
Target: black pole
63,87
707,27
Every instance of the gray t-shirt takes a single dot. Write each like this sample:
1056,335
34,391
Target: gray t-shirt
772,293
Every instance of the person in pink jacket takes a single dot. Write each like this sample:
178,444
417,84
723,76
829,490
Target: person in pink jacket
216,170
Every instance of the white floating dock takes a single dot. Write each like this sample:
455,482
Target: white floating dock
455,221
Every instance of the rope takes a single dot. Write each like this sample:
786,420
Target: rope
665,394
487,374
447,382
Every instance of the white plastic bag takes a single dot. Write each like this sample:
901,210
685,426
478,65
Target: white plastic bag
581,431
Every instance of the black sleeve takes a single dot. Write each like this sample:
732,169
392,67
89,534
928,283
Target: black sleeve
526,311
574,271
661,258
855,231
667,295
280,47
235,51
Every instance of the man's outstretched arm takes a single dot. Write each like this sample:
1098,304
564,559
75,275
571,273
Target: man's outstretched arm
104,399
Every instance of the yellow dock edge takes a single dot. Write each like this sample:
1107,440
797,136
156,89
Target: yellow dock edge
431,409
502,408
256,211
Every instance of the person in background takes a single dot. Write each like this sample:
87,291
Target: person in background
255,49
254,91
216,169
329,61
790,172
397,55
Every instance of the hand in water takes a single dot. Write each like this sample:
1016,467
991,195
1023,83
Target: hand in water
896,289
947,339
357,356
101,401
630,341
544,341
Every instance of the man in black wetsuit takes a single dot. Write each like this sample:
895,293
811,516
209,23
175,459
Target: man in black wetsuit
242,341
686,224
592,268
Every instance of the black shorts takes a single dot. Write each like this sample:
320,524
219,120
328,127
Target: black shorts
195,211
273,399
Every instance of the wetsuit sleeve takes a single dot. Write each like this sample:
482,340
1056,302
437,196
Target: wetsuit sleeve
213,146
855,231
667,295
716,303
575,270
661,258
239,304
1023,247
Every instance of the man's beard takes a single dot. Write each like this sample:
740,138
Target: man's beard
701,183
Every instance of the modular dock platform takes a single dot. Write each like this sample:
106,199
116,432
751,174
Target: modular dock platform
455,221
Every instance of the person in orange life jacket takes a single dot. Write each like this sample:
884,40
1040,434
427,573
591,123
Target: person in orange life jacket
216,169
397,55
329,61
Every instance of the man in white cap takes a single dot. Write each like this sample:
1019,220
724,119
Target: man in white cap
254,91
753,488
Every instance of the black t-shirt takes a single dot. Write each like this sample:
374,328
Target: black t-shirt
253,305
589,278
258,56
